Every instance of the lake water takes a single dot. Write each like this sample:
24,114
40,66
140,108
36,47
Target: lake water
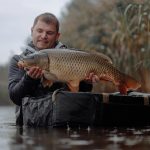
17,138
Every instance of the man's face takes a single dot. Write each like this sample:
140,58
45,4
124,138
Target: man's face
44,35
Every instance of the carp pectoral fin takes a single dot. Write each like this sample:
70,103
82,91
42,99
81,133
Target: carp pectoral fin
122,89
46,82
73,86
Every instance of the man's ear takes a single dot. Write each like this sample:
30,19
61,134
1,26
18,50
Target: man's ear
58,35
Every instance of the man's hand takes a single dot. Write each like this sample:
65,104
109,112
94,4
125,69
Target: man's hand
92,78
35,72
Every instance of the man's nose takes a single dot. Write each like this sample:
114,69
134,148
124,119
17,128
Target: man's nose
44,35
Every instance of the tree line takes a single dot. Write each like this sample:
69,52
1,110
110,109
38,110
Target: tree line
4,97
117,28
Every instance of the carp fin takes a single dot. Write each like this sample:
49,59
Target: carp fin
103,56
73,85
128,83
48,78
96,53
122,89
46,82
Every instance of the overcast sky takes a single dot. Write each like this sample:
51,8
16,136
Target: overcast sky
16,18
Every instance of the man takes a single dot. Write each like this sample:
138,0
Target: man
22,83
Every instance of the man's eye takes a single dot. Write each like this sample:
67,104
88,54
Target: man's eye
39,30
50,33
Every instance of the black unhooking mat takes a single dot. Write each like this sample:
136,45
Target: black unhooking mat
61,108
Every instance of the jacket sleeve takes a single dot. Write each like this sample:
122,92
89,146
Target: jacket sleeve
85,86
19,83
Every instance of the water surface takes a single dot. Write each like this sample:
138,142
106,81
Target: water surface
17,138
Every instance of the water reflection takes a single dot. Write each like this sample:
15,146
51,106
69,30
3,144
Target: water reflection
17,138
76,139
42,138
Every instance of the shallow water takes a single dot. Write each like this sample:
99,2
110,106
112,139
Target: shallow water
15,138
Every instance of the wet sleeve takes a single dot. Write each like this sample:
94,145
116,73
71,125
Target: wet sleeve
19,83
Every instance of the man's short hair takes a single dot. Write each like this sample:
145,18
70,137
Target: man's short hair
48,18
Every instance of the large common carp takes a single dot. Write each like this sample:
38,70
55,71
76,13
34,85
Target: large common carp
72,66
